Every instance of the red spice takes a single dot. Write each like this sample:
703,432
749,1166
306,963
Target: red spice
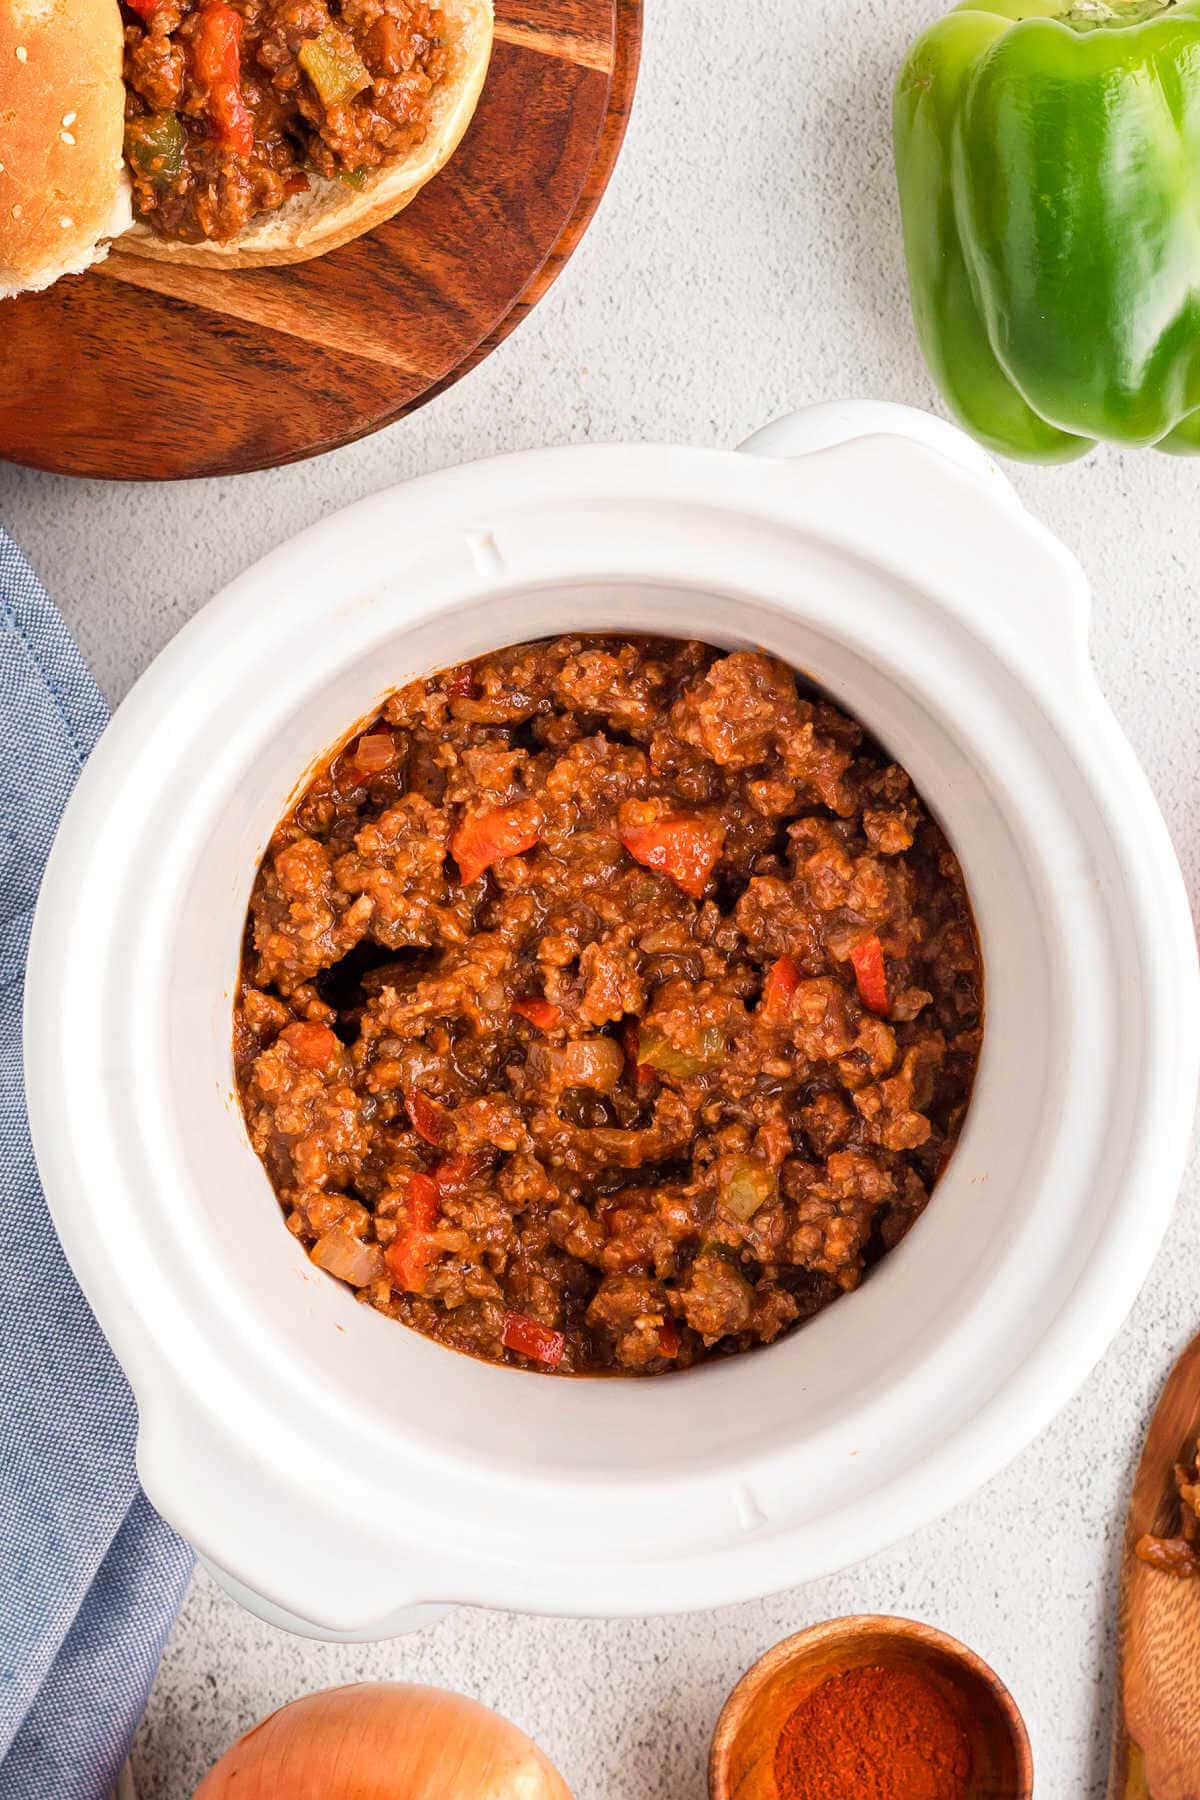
873,1734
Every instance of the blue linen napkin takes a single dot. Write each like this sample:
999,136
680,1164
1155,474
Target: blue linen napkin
90,1576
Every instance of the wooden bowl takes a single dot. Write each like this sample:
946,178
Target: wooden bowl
741,1763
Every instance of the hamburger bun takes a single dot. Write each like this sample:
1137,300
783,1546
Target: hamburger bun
63,187
331,212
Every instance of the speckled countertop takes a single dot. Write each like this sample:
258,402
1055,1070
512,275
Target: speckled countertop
746,259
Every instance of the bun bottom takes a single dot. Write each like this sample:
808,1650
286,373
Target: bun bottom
330,213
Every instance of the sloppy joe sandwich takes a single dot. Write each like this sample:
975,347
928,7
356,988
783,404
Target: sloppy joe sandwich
236,133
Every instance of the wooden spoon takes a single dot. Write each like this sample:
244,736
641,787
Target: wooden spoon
1156,1735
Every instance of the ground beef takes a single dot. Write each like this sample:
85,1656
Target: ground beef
224,122
607,1005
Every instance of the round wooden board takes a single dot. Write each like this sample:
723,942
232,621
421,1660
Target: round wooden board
143,371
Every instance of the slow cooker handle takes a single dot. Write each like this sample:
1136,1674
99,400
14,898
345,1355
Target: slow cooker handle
1035,600
266,1532
833,422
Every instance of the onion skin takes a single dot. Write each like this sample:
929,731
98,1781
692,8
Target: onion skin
384,1741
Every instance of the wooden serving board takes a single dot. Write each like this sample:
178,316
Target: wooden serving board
143,371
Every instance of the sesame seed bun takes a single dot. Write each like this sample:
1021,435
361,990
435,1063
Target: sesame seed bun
330,212
63,188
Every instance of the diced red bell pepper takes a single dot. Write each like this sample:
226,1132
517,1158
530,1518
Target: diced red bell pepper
217,65
409,1258
313,1046
298,183
529,1337
685,849
454,1173
869,972
543,1015
145,9
422,1203
461,683
488,837
429,1120
668,1338
411,1253
779,989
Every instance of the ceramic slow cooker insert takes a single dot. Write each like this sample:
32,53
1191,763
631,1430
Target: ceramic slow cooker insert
336,1469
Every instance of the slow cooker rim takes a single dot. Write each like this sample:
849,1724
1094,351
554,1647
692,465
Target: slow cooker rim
1116,744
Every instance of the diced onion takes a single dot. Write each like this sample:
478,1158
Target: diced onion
347,1257
745,1187
591,1062
374,752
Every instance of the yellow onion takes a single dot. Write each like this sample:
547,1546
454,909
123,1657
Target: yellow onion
384,1740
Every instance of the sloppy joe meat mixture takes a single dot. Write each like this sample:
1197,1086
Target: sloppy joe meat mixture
233,105
607,1005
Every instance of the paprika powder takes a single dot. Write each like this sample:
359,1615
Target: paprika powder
873,1733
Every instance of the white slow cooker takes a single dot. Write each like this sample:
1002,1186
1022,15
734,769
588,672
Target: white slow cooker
337,1470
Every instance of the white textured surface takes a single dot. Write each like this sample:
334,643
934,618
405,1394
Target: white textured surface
746,259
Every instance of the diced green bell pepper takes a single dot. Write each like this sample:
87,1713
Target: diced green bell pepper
154,148
334,67
703,1050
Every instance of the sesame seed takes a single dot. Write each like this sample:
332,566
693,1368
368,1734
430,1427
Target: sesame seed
16,212
67,137
1,168
66,223
69,118
22,53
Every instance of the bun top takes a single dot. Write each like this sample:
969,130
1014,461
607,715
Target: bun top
63,186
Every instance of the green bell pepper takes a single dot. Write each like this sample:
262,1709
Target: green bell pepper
334,67
1048,156
156,147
